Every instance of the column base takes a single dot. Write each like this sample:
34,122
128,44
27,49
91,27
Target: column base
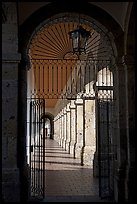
72,148
10,185
131,184
95,165
68,146
121,184
88,155
78,151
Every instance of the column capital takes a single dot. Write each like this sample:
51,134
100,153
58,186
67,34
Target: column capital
68,110
88,97
125,60
79,101
128,59
68,107
72,105
64,112
8,58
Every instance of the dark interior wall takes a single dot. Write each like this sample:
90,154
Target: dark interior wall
131,89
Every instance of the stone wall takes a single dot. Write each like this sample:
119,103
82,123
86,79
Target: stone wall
10,60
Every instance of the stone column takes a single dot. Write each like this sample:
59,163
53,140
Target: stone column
72,127
10,60
122,131
68,127
89,132
57,128
64,128
60,130
130,82
79,128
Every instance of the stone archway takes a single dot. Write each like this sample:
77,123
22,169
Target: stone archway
50,117
59,9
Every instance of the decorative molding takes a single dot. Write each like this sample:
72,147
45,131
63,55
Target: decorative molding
128,59
8,58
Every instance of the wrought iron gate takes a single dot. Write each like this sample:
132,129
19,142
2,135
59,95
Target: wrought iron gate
56,73
105,128
37,147
71,79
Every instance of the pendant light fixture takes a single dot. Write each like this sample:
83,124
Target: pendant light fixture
79,38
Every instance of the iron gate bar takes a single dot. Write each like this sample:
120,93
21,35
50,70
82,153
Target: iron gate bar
31,147
37,147
105,152
103,92
108,145
44,152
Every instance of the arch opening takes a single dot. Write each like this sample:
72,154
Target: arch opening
79,93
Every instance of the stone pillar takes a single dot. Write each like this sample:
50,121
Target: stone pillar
68,127
122,131
72,127
61,128
89,132
10,60
57,128
79,128
64,128
130,82
59,125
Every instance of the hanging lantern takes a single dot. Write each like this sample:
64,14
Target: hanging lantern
79,39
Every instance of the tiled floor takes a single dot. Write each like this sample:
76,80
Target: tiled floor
66,179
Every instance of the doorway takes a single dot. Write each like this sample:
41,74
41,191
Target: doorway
78,91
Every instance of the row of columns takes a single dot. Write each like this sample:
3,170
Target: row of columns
74,128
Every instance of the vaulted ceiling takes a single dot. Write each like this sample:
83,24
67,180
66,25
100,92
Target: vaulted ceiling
52,42
116,9
51,52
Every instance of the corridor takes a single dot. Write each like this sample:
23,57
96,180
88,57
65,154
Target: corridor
68,73
66,179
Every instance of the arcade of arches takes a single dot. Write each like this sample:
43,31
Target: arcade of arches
86,102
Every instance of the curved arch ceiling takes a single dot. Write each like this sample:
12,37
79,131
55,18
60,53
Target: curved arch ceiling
51,41
116,9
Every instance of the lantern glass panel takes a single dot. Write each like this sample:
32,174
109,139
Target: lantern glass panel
75,39
79,39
